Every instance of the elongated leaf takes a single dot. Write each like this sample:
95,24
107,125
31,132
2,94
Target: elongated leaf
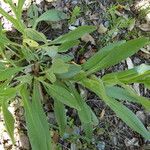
122,111
37,125
138,74
126,94
117,53
128,117
8,93
67,45
11,19
61,94
52,16
60,114
8,120
20,7
35,35
8,73
86,115
75,34
97,57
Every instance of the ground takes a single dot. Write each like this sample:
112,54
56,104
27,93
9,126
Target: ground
115,20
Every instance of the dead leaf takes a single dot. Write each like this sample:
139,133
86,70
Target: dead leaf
55,136
88,38
102,29
145,27
102,114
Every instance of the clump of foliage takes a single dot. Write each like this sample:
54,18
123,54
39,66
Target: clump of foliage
36,65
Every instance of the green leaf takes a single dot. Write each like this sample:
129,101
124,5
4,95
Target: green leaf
52,16
8,120
37,125
20,7
73,70
12,20
138,74
8,73
31,43
116,54
8,93
126,94
96,85
86,115
35,35
25,78
128,117
75,34
76,12
51,51
59,66
60,114
50,76
61,94
67,45
97,57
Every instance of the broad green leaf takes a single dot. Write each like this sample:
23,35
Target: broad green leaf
59,66
96,85
51,51
52,16
97,57
35,35
37,125
32,13
117,53
8,73
64,47
61,94
50,76
66,57
8,120
27,53
75,34
60,114
73,70
127,95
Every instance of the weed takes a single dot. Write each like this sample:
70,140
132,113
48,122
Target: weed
37,64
